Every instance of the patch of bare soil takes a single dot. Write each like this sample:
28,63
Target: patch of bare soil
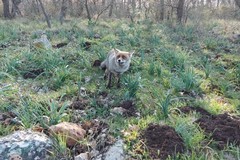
96,63
188,109
162,141
98,134
79,103
129,108
33,73
87,45
223,128
60,45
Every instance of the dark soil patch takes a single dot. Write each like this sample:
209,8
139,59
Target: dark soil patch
3,46
223,128
33,73
79,103
87,45
60,45
188,109
162,141
103,93
94,127
130,108
7,118
96,63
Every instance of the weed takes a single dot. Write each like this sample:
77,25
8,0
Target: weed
187,81
190,132
164,105
56,112
132,84
151,69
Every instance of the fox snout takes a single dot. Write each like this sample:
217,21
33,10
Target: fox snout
120,62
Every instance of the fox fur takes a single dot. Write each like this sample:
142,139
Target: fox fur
116,63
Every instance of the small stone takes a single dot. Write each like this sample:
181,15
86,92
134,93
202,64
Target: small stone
83,156
72,131
115,152
118,110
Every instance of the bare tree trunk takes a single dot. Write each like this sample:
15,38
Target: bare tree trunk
237,3
70,4
133,5
6,12
87,9
63,11
162,10
180,10
45,13
15,9
209,3
80,7
218,2
140,4
111,8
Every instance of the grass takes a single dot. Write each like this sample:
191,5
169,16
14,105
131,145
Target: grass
166,60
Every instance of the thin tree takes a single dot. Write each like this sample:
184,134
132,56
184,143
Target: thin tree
63,11
111,8
6,12
45,13
88,12
15,8
162,10
180,8
237,3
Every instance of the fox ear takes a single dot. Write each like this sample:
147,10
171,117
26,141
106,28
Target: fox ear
116,50
131,53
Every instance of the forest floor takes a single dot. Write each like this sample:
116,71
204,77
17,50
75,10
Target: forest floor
180,97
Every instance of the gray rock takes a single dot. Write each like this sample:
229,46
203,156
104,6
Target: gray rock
26,145
82,156
115,152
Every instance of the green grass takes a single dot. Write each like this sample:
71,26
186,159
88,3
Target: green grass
167,61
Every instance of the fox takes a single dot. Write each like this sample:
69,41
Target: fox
116,63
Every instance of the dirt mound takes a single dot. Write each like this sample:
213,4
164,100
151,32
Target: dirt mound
188,109
96,63
223,128
33,73
79,103
162,141
129,108
60,45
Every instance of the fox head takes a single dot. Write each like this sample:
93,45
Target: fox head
122,57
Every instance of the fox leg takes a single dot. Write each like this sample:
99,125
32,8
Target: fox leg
118,81
106,74
109,80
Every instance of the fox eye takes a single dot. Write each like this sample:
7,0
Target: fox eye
118,56
124,57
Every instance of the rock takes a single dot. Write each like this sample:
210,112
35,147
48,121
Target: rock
72,131
118,110
25,145
234,38
83,156
97,36
115,152
43,42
